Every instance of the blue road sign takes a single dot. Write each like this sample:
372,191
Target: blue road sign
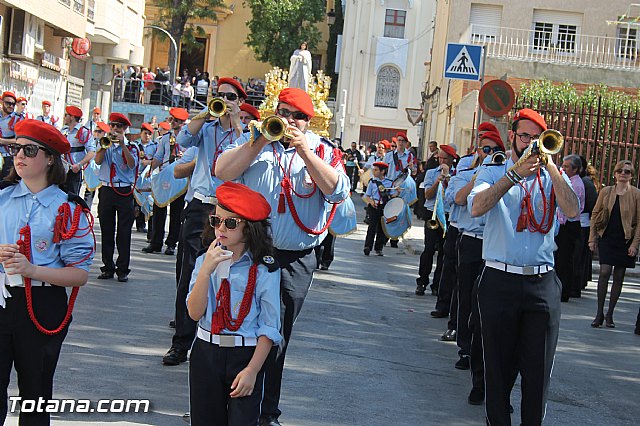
463,61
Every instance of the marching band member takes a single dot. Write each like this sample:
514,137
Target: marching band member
247,113
167,151
433,239
238,312
95,118
147,149
118,169
46,116
519,292
40,255
21,110
375,201
83,147
378,156
7,134
400,158
211,138
299,176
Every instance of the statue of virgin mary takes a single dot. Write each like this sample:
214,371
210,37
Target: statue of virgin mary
300,69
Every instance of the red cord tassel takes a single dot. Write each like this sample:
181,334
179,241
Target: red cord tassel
522,219
57,229
281,202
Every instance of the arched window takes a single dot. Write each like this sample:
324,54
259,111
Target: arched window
388,87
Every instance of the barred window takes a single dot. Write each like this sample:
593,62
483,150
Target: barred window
388,87
394,21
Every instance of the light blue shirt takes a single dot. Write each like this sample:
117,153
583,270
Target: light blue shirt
374,193
501,241
149,149
429,179
6,131
263,318
21,207
406,159
165,149
264,176
372,159
123,173
189,155
465,162
466,222
49,119
211,141
79,137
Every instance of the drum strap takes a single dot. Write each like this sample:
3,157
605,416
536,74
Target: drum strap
397,161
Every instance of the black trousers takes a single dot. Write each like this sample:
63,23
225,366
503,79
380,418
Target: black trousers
35,355
324,251
354,177
375,231
433,241
296,269
567,257
586,265
212,370
73,182
110,205
159,219
447,290
195,216
7,165
469,266
520,319
477,352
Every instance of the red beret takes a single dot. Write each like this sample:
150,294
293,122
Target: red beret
297,98
98,110
494,136
403,135
240,199
9,94
179,113
250,109
529,114
74,111
449,150
381,165
48,103
104,126
386,143
485,126
117,117
164,125
21,99
394,140
235,83
147,127
43,133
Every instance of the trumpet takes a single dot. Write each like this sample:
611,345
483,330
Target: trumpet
549,143
217,107
272,128
433,222
498,157
107,141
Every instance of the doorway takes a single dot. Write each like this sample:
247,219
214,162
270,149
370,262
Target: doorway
193,57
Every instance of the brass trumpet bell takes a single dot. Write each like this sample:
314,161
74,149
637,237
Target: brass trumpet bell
217,107
273,128
433,223
550,142
498,157
107,141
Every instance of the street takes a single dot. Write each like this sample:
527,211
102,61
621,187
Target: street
364,350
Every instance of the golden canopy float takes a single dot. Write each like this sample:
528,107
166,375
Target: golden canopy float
318,89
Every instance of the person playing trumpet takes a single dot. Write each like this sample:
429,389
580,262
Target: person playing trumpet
376,198
83,148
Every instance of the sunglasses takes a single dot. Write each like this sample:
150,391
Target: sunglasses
9,103
228,95
230,222
175,120
624,171
30,150
297,115
489,149
117,125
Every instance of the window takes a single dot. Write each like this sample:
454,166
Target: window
388,87
394,22
627,43
485,21
78,6
542,36
555,31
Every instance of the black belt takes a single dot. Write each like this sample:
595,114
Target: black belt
77,148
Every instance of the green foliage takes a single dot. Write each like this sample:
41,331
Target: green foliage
277,28
176,14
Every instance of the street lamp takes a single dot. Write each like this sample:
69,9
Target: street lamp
331,17
174,72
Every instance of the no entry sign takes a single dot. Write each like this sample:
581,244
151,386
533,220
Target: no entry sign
496,98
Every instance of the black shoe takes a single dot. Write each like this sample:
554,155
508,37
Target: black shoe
170,251
394,243
449,336
172,324
151,249
143,230
324,268
269,421
463,363
439,314
637,330
379,253
434,291
476,396
576,293
367,251
420,290
123,278
106,276
174,357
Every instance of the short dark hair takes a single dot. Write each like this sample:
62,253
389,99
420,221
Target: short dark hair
433,142
56,175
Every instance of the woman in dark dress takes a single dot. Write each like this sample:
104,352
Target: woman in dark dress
616,231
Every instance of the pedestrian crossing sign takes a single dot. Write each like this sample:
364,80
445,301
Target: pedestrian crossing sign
463,61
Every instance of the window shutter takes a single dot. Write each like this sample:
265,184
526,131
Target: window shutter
558,17
485,19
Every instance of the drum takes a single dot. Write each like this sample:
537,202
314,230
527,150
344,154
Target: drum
143,187
365,178
408,190
396,218
166,188
92,176
345,221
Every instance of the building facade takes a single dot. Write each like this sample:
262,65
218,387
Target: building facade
585,42
384,47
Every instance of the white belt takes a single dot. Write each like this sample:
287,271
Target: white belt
472,235
520,270
453,224
206,200
118,184
226,340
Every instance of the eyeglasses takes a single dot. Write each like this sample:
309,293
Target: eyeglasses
394,146
117,125
624,171
175,120
9,103
30,150
489,149
526,137
297,115
228,95
230,222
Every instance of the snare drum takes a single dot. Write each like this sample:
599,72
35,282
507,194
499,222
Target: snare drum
345,221
396,218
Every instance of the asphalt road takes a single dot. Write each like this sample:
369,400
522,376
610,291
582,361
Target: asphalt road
364,350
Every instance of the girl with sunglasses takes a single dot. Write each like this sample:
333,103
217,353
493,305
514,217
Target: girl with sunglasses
237,309
46,244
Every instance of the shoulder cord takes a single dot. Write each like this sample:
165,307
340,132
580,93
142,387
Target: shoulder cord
60,233
527,219
222,317
218,149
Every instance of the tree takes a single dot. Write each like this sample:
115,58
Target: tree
277,28
174,16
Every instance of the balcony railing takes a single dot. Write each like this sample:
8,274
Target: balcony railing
556,48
